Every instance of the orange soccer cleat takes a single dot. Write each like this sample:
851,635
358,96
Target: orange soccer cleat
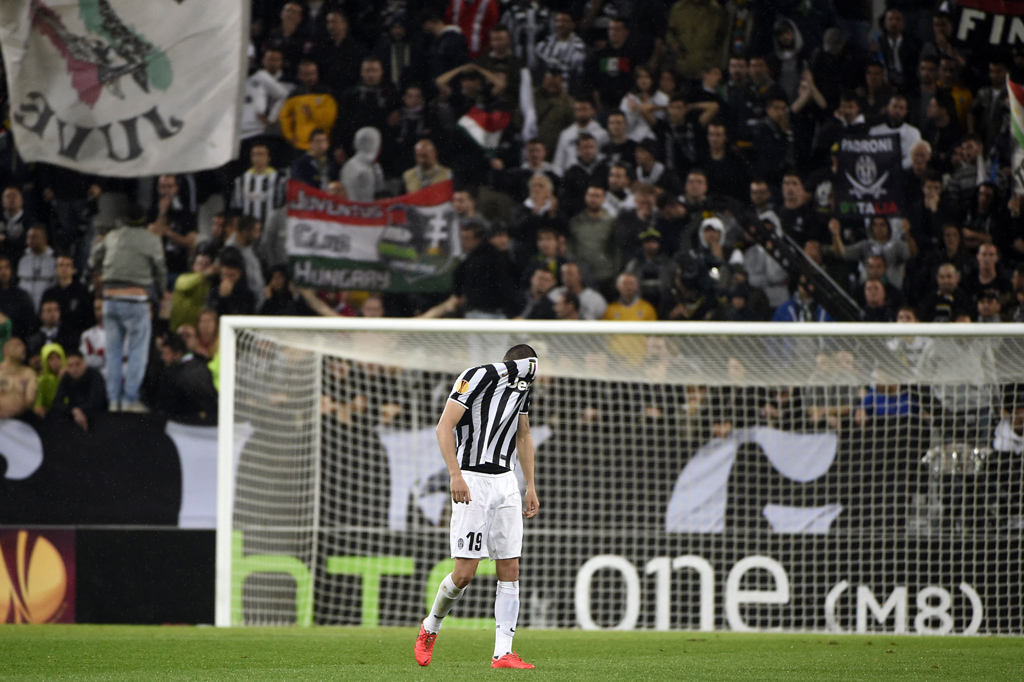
425,646
511,660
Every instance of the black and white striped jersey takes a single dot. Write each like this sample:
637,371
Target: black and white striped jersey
494,396
528,24
257,194
569,54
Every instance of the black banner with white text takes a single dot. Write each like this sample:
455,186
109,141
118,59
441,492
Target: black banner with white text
870,177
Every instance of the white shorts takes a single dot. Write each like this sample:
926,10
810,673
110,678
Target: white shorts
491,526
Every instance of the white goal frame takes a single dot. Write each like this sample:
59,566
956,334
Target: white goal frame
231,325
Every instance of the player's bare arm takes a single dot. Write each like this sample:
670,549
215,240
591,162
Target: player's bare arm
446,440
524,446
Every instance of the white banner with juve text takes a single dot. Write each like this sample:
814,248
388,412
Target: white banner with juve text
125,88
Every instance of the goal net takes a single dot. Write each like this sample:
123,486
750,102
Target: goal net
825,477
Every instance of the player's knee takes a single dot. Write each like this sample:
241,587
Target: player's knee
461,580
508,576
507,571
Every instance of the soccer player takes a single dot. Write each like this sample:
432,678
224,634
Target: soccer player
483,428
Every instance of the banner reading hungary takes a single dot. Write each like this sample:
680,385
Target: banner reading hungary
409,243
122,87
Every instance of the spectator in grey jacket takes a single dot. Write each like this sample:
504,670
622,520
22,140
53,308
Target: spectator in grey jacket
897,249
37,269
362,175
592,235
763,271
245,238
133,271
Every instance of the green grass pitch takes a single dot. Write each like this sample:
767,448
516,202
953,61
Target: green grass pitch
85,652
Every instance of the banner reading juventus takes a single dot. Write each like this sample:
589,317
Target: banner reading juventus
869,176
125,88
409,243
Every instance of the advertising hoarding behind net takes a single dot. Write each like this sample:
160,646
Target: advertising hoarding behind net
841,482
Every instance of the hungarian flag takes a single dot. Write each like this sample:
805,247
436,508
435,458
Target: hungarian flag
1016,98
409,243
485,127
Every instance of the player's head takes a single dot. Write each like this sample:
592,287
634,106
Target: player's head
520,352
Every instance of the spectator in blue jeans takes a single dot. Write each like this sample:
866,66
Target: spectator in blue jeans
133,272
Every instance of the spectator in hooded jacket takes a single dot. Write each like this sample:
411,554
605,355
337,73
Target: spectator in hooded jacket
53,362
362,175
789,58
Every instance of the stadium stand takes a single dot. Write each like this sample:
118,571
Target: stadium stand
783,89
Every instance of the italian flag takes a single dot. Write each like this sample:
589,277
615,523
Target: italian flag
1016,99
485,127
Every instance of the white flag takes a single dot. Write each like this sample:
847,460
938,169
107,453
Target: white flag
122,87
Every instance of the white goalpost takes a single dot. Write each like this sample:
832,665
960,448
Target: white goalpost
693,476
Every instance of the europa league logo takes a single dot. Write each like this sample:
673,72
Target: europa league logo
33,579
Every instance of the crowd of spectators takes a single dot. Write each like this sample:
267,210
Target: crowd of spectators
636,155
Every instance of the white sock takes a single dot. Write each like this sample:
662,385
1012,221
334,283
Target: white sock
447,595
506,614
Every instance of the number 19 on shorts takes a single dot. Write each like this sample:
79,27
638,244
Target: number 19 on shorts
474,541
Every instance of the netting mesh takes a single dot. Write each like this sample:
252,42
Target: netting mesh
828,483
